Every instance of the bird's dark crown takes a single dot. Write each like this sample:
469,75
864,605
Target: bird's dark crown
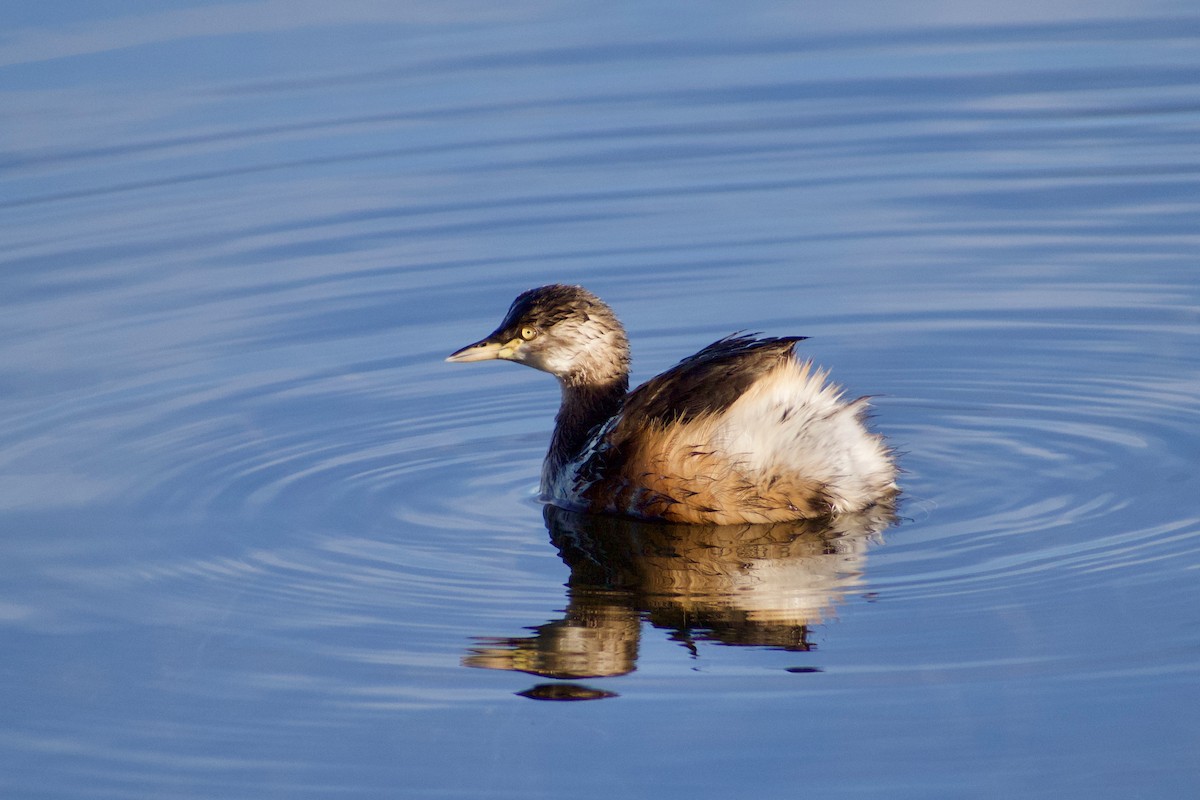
546,306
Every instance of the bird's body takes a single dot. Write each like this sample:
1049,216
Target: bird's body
739,432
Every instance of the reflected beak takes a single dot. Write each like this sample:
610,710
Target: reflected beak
483,350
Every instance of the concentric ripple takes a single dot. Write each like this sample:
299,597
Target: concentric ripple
400,481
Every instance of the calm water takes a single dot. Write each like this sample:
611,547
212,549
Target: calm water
259,541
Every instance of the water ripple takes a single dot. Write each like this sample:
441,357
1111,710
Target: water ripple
231,330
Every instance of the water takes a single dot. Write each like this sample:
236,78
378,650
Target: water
259,541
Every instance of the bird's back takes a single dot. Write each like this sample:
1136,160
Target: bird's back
739,432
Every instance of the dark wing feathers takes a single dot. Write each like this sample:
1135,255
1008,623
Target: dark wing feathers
709,381
614,471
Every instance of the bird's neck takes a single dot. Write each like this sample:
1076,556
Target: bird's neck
584,407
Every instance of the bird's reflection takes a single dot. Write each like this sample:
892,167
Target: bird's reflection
762,585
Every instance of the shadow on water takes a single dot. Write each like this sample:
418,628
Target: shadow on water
747,585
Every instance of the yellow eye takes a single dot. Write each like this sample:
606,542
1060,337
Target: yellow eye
528,333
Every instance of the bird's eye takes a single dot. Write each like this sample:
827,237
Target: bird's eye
528,333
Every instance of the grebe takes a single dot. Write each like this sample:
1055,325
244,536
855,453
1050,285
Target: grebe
739,432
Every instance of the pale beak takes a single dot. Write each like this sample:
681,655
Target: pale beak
483,350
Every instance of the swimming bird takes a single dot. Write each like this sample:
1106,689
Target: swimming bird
741,432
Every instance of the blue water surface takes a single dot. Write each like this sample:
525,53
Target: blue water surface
258,540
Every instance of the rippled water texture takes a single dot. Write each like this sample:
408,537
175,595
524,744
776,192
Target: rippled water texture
260,541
